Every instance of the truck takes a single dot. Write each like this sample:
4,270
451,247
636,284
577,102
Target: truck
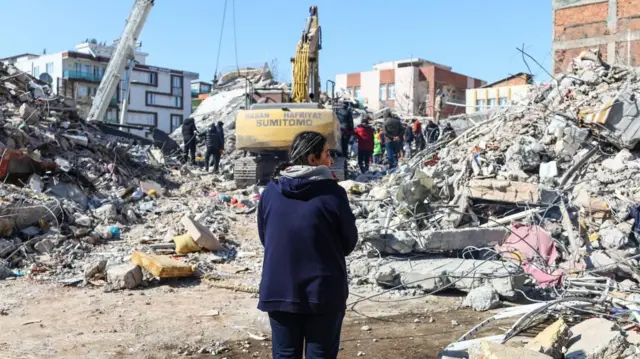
265,131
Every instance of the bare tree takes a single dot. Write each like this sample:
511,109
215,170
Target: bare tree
274,66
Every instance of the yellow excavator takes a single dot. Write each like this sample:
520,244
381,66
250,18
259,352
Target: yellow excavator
265,131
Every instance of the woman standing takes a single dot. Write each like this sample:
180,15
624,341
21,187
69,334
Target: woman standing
307,229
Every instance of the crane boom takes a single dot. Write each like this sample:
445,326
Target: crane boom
124,51
306,74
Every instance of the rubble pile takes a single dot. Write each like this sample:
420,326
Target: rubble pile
537,200
75,202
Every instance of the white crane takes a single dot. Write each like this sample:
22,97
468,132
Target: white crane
121,56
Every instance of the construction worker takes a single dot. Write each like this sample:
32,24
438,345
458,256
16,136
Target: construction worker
364,134
346,127
307,229
189,133
213,142
393,134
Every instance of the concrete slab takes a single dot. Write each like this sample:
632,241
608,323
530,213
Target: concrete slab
489,350
461,274
124,276
552,339
596,338
201,234
504,191
161,266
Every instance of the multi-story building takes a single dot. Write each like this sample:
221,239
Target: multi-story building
158,97
200,90
409,86
500,93
613,26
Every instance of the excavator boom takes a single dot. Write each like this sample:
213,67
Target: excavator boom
306,74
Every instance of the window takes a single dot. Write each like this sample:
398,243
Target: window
205,88
194,87
151,98
87,69
491,102
150,78
36,71
480,105
83,91
358,92
176,81
383,92
50,68
111,116
100,72
175,91
176,121
391,91
177,101
502,101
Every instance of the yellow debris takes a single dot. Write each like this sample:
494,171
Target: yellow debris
161,266
551,340
185,244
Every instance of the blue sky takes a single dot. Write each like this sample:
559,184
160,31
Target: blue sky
476,38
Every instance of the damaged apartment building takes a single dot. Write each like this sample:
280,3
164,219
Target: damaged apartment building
158,97
408,86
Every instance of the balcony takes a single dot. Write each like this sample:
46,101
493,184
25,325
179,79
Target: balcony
78,75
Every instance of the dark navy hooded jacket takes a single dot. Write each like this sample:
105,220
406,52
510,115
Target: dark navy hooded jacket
307,229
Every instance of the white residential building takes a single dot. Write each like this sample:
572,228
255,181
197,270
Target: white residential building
158,97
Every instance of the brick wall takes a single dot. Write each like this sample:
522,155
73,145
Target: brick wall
595,22
625,56
516,81
580,22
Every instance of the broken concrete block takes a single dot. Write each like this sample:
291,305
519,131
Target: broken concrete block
161,266
489,350
393,243
387,277
482,299
82,220
613,238
548,170
5,272
201,234
525,153
6,247
504,191
46,245
624,156
589,203
614,165
354,187
94,268
379,193
551,340
462,274
124,276
459,239
78,140
107,212
596,338
28,113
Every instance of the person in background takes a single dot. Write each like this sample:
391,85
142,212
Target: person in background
433,132
364,134
189,133
438,106
346,127
418,135
377,148
213,142
408,141
307,229
393,134
220,128
448,132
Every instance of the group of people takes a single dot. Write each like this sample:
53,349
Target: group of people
213,139
396,139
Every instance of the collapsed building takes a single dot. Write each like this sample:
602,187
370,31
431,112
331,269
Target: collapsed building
539,201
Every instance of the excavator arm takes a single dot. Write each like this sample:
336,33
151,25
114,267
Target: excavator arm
306,73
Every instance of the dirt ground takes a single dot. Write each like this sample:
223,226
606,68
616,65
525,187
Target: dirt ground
50,321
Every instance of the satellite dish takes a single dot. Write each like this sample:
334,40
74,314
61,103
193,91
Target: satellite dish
45,77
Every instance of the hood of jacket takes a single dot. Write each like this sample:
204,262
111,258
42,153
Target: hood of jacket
301,182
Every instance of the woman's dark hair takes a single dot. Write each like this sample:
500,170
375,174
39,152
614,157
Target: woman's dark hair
304,144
